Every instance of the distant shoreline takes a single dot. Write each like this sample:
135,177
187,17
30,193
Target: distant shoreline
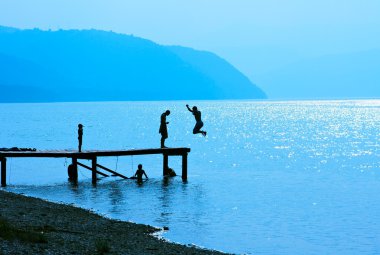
64,229
266,100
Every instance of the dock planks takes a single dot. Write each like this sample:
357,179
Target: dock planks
93,155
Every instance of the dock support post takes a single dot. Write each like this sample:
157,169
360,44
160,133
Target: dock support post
94,177
184,167
165,165
73,170
3,172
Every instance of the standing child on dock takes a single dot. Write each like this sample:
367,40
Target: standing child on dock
139,173
164,128
198,118
80,135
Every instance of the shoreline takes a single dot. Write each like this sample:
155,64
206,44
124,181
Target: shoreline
64,229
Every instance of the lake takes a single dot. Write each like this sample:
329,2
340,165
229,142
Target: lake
271,177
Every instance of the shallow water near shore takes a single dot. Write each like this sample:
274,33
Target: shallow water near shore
298,177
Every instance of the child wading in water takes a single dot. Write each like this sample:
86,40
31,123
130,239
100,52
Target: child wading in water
198,118
139,173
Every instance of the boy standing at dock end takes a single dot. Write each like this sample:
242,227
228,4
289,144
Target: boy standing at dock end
80,135
164,128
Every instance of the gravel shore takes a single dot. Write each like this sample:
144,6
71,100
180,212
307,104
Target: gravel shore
64,229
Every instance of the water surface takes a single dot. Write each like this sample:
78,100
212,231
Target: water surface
297,177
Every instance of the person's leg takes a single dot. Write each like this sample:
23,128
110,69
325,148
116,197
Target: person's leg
163,138
197,128
200,126
162,142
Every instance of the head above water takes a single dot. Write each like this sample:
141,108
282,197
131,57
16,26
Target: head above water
167,112
80,125
195,108
139,166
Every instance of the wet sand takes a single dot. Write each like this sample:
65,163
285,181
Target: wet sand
70,230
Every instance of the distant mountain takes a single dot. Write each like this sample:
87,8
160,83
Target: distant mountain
22,81
354,75
93,65
220,72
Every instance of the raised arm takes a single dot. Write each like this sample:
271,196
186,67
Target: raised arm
188,108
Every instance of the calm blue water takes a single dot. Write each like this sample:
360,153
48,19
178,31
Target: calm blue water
270,178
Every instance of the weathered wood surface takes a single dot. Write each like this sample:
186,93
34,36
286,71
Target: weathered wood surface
88,154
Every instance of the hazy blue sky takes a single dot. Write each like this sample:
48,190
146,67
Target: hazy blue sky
256,36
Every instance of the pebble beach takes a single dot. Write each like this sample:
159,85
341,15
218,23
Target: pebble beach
36,226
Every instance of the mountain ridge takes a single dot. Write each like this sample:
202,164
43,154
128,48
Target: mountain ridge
96,65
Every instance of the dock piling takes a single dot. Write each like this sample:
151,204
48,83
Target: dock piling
3,172
74,174
94,175
184,167
165,165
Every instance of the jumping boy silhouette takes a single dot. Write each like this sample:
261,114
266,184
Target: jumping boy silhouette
198,118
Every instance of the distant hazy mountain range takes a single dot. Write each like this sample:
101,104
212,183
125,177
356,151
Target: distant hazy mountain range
92,65
350,75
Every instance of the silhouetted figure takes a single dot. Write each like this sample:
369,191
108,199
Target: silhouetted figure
170,172
198,118
80,135
72,173
163,128
139,173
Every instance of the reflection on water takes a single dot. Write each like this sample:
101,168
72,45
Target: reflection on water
270,178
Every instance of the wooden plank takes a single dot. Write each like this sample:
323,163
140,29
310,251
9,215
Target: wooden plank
89,168
111,171
93,153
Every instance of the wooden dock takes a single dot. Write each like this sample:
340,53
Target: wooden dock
93,155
